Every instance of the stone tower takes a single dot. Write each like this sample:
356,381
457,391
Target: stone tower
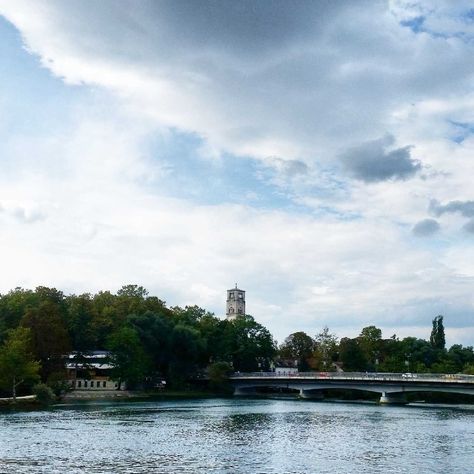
235,305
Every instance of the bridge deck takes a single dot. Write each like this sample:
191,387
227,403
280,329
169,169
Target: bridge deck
357,377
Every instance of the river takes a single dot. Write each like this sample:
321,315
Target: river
238,436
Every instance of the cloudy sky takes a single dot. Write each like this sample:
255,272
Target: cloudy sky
320,154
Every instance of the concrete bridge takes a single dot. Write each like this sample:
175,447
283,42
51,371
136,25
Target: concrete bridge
392,387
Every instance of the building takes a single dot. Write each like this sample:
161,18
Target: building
90,371
235,304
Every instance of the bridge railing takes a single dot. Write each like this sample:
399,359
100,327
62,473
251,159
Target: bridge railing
382,376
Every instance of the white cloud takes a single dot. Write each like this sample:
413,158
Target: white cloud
293,88
270,91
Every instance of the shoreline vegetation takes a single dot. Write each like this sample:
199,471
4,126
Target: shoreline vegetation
336,396
148,342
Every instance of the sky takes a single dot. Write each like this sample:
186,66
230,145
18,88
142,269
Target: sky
319,154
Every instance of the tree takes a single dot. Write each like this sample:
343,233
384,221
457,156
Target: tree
17,364
127,356
419,355
326,349
154,331
81,313
461,356
49,336
187,351
351,355
106,319
370,341
250,344
130,299
437,338
190,315
13,306
44,394
218,376
298,346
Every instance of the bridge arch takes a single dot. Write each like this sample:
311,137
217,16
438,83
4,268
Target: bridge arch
391,387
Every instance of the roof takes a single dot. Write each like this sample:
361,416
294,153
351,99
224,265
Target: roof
89,365
89,355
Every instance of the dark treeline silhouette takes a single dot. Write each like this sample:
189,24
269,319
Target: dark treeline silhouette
149,340
146,338
370,352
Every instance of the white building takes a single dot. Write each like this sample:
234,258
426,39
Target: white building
90,371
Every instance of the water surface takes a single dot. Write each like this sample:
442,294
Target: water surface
237,436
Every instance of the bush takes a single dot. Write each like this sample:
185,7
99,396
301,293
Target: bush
44,394
58,383
219,376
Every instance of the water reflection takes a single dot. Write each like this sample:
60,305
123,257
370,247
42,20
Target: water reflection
244,422
237,436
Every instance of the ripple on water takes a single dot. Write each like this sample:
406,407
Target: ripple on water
238,436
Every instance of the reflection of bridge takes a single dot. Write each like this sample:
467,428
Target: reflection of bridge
392,387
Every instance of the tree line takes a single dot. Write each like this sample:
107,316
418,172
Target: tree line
369,351
147,339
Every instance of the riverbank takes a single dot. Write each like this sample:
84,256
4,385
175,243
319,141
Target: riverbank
129,394
27,400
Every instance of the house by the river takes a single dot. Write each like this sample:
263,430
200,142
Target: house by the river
91,371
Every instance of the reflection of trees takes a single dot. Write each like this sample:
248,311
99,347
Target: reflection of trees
241,423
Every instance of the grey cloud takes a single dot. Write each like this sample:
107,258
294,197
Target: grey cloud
308,75
465,208
26,215
372,162
426,227
469,226
289,168
23,214
173,29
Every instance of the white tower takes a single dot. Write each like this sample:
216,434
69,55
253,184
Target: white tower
235,305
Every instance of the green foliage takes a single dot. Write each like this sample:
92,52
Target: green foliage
460,356
44,394
49,335
17,364
150,341
252,346
13,306
437,338
298,346
352,355
326,350
127,356
468,369
370,340
81,315
58,383
187,350
154,332
218,376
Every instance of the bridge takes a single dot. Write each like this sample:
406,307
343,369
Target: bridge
391,387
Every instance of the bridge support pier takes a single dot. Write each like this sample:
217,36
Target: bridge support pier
311,394
242,392
398,398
